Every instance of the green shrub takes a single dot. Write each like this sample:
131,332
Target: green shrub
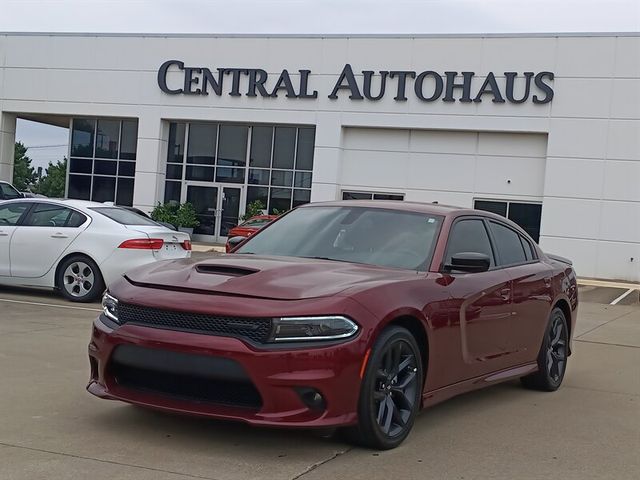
254,208
186,216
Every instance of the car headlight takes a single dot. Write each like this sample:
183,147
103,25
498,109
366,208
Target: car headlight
110,307
332,327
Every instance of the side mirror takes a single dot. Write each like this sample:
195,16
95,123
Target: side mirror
233,242
471,262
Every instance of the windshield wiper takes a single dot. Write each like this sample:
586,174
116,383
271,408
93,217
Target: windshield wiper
331,259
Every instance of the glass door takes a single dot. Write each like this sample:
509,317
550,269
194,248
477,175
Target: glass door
205,201
218,210
229,210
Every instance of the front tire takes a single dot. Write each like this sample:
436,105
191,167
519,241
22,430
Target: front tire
552,358
79,279
391,391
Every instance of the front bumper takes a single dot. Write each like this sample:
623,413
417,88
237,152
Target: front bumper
277,373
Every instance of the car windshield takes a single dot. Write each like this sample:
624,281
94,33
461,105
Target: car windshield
373,236
256,222
125,217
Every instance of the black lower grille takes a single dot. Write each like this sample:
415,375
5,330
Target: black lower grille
197,378
254,329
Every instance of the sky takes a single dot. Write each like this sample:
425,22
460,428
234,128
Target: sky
300,16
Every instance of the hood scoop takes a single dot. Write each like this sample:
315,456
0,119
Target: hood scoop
226,270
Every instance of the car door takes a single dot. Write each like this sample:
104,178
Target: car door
531,287
10,215
481,301
45,233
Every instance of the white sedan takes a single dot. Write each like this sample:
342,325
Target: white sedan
78,247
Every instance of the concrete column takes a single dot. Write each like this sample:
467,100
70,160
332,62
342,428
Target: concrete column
151,154
7,142
327,158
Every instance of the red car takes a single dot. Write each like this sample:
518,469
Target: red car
248,228
347,314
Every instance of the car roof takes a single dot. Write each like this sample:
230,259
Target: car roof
421,207
78,204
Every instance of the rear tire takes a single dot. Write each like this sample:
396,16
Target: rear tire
552,358
391,391
79,279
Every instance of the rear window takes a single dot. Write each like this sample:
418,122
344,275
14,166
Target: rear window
256,223
8,192
124,217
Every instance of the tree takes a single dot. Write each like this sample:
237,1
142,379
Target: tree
24,175
53,182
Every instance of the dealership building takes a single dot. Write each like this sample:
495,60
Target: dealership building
544,129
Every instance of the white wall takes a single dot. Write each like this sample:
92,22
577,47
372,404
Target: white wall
591,183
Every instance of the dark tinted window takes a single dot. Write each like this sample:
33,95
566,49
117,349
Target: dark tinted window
261,139
7,192
300,197
75,219
495,207
304,155
129,140
79,187
123,216
527,216
529,251
176,142
82,137
356,196
469,236
11,213
232,145
508,244
124,193
48,215
387,196
107,138
284,147
172,191
351,234
202,144
104,189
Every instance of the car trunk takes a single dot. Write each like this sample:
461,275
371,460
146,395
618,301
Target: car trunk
172,246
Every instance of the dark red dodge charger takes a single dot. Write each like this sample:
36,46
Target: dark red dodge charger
353,314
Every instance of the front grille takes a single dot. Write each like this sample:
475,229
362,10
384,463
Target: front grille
196,378
256,330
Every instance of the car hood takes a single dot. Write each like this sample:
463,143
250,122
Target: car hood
280,278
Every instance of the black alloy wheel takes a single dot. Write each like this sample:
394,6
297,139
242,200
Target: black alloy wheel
391,391
552,358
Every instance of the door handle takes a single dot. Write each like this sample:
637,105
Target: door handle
59,235
505,293
3,234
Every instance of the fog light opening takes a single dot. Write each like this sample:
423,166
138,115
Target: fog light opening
312,398
94,368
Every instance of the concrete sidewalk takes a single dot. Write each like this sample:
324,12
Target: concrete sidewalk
52,429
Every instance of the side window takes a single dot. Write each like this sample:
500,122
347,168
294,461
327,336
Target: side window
11,213
75,219
48,215
529,251
469,236
508,244
7,192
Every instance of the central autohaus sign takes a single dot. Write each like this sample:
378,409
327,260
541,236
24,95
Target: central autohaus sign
427,86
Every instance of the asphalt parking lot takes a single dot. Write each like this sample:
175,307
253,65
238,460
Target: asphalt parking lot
51,428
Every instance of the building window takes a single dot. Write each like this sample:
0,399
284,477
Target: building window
350,195
525,214
102,162
274,162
